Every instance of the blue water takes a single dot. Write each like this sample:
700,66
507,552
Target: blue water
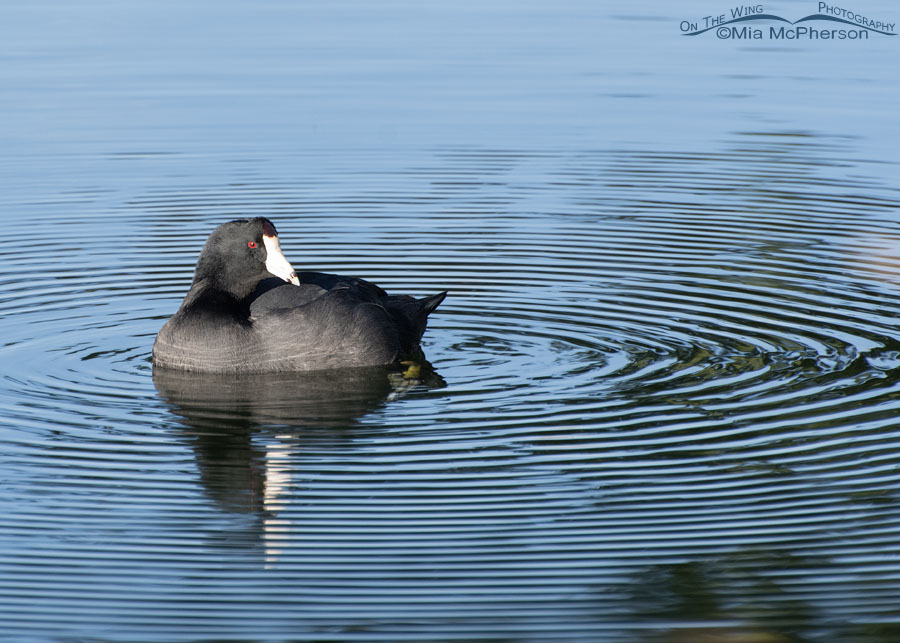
661,398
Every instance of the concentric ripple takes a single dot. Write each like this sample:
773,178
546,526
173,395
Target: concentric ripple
662,396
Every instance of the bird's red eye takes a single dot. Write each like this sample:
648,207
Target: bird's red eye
251,244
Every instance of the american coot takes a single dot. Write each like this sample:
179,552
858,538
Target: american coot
240,315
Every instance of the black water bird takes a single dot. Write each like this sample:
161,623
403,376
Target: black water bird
248,311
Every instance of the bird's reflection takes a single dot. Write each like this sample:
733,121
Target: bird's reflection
246,430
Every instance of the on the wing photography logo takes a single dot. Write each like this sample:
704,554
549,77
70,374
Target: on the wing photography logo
751,22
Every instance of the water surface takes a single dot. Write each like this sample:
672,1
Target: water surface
659,402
